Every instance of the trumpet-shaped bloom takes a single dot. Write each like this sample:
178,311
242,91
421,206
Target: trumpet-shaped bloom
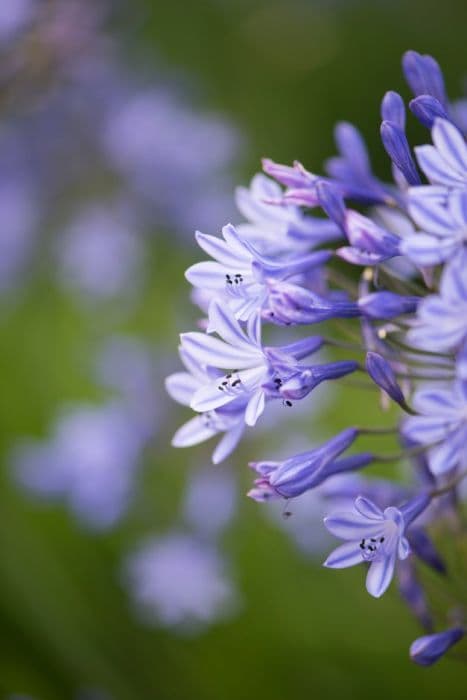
228,420
375,536
256,366
242,273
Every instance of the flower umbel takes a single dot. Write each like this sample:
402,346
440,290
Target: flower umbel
384,292
372,535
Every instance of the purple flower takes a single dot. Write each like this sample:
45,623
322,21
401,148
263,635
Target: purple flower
373,536
304,380
441,426
100,255
182,387
444,163
394,138
305,471
398,149
393,109
410,302
383,375
427,109
427,650
178,581
386,305
424,75
290,304
256,366
234,348
243,276
369,243
89,462
352,169
277,227
295,176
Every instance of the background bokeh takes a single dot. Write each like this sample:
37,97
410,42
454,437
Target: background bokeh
124,127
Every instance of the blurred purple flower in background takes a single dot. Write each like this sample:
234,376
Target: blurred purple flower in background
179,581
88,462
109,152
91,458
100,254
108,155
162,149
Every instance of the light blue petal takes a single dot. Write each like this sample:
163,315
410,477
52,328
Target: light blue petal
450,144
209,397
233,240
368,509
380,575
403,549
228,443
352,526
426,430
207,275
454,280
224,253
223,321
181,386
250,204
457,205
254,329
193,432
437,402
449,454
430,215
217,353
435,167
255,407
426,250
346,555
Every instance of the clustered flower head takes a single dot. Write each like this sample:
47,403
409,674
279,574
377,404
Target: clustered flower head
385,263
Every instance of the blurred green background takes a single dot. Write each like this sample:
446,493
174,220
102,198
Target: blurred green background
283,72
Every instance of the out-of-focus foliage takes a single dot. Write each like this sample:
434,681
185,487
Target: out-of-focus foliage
97,226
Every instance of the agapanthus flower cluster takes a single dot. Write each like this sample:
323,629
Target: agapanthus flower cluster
377,272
